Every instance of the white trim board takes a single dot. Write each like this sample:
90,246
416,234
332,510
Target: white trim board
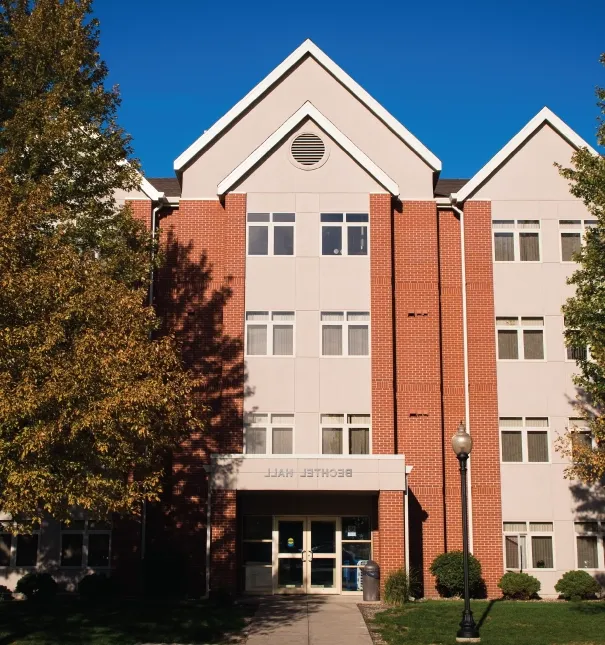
308,48
544,116
150,191
307,110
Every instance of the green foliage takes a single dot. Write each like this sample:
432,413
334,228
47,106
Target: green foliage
90,399
449,570
38,587
577,585
97,587
585,311
519,586
400,587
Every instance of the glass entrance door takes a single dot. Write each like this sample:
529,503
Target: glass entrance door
306,555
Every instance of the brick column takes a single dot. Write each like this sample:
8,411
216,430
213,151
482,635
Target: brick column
223,551
391,525
141,210
485,458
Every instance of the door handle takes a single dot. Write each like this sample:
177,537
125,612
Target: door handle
310,556
302,556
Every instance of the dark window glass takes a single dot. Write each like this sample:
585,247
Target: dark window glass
258,217
290,536
571,243
331,240
529,244
258,552
359,441
353,552
357,240
27,550
504,247
507,344
98,550
577,353
258,528
542,552
5,549
356,528
357,217
511,446
588,557
331,217
284,217
537,446
283,240
71,549
533,345
258,240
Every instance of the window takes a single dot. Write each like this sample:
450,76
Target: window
522,340
18,550
577,351
270,333
269,434
589,541
271,233
516,240
345,333
572,236
582,440
344,233
85,543
345,434
528,550
524,439
356,550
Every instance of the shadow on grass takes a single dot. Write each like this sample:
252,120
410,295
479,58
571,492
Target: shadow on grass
589,608
486,612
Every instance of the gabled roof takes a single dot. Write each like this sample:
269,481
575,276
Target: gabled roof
544,116
308,48
445,187
307,110
170,186
150,191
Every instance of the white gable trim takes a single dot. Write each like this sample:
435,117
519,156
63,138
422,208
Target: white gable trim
307,110
308,48
544,116
150,191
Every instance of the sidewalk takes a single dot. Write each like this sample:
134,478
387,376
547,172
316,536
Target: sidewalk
309,620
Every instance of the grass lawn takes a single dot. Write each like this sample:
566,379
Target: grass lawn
70,622
501,623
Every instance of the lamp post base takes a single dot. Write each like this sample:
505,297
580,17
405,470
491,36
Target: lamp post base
468,640
468,632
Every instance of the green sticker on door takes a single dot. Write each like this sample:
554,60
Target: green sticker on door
290,542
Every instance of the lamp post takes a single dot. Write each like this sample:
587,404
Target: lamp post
462,444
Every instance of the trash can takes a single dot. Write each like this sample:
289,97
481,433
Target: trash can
371,581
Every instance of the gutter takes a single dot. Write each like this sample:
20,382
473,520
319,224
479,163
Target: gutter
406,518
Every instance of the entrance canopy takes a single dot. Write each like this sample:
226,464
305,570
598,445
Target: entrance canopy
308,472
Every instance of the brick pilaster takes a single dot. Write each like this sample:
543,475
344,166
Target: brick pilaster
224,530
391,521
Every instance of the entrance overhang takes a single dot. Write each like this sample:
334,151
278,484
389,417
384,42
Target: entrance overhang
308,472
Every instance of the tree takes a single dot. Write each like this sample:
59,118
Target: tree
90,398
585,311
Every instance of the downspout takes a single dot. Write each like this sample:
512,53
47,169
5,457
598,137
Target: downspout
467,407
406,519
210,471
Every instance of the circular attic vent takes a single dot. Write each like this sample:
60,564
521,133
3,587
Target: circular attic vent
308,149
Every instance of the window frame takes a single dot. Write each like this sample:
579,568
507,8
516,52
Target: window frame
516,231
344,324
270,234
13,548
599,535
525,430
345,235
529,534
86,532
344,427
269,426
583,226
519,328
269,323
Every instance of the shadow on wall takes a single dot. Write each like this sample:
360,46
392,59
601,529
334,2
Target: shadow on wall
191,301
417,517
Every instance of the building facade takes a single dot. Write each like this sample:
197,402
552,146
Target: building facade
345,308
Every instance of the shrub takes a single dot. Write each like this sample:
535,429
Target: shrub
449,570
5,593
97,586
519,586
577,585
400,587
40,587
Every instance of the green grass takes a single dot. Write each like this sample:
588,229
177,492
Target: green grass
70,622
501,623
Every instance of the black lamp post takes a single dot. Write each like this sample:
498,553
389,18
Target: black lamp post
462,444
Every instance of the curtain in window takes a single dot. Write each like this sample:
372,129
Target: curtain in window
541,547
282,441
358,340
529,244
537,446
587,552
283,340
257,340
359,441
358,419
515,526
331,340
577,353
511,548
533,344
541,527
511,446
332,418
511,422
504,247
507,344
256,441
571,243
331,441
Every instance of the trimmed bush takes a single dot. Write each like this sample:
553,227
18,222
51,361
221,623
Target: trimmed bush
577,585
40,587
5,593
448,568
97,587
519,586
400,587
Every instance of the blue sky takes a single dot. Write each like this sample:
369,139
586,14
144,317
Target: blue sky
463,76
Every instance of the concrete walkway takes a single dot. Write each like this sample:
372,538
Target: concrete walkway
309,620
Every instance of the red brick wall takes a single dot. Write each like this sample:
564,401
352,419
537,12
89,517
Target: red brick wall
223,550
141,210
485,458
391,523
